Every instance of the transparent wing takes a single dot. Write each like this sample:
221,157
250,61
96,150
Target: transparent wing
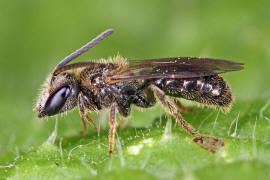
178,67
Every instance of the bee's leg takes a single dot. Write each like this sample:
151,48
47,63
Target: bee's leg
170,108
84,116
211,144
181,107
112,124
92,122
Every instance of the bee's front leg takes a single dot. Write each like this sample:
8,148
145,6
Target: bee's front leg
84,116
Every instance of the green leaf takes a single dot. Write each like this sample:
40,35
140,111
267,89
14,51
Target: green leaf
159,151
35,35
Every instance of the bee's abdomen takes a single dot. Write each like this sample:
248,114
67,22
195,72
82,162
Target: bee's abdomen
210,90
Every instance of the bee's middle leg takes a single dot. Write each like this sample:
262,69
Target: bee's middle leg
112,124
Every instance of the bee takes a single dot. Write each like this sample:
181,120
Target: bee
117,84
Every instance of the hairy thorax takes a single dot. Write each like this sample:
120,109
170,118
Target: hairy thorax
93,83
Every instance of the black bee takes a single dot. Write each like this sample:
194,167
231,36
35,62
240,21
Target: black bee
117,84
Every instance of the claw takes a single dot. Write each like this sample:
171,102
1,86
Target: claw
110,153
209,143
83,133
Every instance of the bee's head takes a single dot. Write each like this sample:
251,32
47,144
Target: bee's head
60,92
58,95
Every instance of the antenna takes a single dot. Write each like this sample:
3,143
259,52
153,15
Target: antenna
84,48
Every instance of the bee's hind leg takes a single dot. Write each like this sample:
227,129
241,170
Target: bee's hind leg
209,143
181,107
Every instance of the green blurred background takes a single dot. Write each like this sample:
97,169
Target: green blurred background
35,35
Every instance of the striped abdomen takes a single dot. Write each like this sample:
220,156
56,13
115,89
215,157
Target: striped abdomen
210,90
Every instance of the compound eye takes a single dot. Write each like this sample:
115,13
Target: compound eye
57,101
